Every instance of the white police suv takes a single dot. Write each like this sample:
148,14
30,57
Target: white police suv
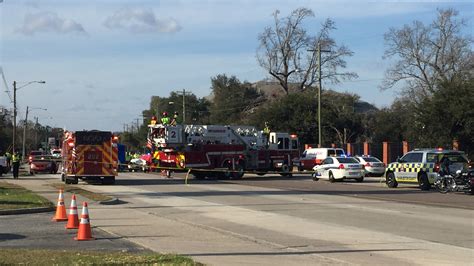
421,166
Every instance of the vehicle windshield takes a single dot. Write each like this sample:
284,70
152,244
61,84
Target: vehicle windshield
33,153
347,160
42,158
337,152
453,157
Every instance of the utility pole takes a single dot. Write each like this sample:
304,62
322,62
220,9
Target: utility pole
14,116
24,133
320,85
184,92
36,132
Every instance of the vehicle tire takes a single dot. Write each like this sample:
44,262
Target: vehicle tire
443,186
62,177
286,170
32,172
331,177
240,171
315,178
360,180
424,182
391,181
1,170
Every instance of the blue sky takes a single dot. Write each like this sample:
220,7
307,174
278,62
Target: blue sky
103,60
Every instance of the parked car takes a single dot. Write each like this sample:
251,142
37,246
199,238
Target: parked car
33,154
339,168
56,153
136,165
43,164
372,165
315,156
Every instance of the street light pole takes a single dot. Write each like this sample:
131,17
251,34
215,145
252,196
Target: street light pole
319,96
14,108
26,125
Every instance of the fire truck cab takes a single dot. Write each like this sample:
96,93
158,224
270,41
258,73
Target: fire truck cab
221,150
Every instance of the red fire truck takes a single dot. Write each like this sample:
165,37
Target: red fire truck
90,156
221,151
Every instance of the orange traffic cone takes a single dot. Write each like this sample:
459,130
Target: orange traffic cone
84,232
73,217
60,209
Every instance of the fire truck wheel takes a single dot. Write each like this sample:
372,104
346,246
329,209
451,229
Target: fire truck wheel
240,171
286,170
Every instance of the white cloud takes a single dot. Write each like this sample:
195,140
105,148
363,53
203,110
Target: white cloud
49,22
140,20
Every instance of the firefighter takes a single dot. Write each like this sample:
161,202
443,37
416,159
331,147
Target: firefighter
165,120
153,120
16,164
174,121
266,133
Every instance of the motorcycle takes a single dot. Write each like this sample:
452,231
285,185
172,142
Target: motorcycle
460,181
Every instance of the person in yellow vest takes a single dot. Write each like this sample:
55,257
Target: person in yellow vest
16,164
165,120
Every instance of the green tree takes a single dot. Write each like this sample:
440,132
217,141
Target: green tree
231,99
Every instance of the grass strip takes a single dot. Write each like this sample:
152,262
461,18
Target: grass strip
85,193
74,257
17,197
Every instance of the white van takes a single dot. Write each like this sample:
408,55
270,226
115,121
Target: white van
315,156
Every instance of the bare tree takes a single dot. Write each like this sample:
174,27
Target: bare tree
428,54
290,54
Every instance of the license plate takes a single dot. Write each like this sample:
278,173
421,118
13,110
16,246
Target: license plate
353,173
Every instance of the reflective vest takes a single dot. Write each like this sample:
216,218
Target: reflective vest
165,120
15,158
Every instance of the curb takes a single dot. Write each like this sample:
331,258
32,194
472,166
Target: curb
27,211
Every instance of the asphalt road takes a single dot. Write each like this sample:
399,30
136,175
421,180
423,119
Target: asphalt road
37,231
280,221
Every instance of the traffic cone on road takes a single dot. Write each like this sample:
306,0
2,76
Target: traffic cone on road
60,209
73,217
84,232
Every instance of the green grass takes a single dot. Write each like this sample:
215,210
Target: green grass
85,193
75,257
16,197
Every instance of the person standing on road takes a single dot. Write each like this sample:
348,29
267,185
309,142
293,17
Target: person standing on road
9,160
16,164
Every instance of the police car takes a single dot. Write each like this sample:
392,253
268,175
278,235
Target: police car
339,168
372,165
421,166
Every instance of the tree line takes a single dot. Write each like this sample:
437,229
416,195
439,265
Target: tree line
433,63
